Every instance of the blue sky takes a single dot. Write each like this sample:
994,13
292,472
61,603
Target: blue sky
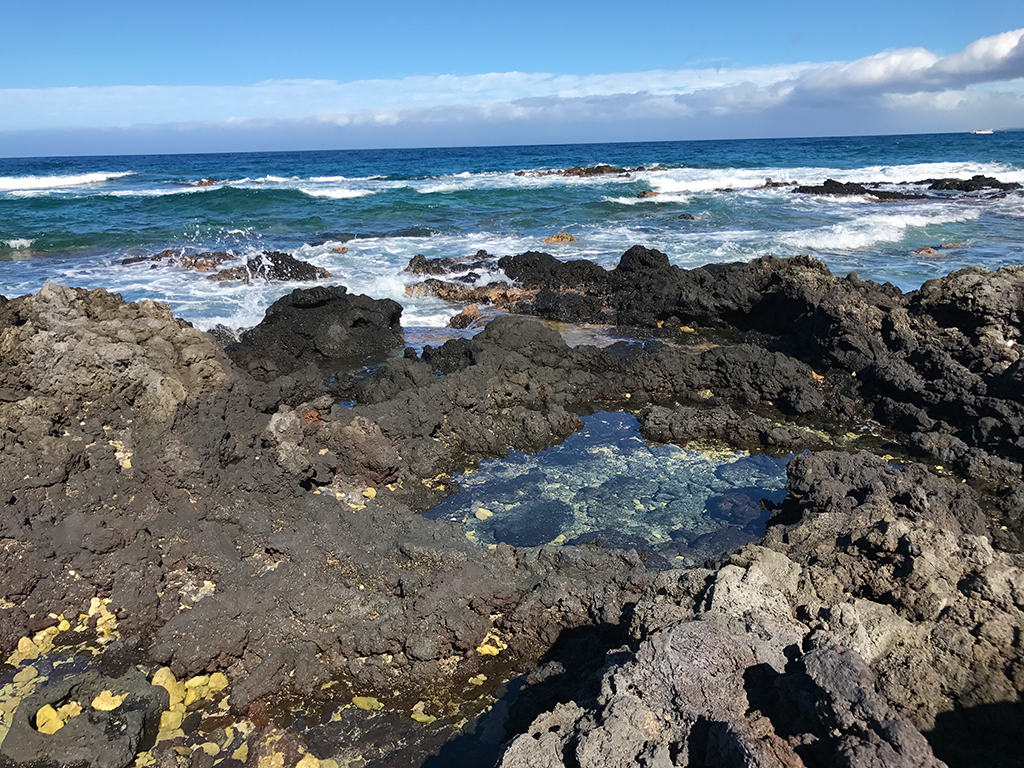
110,76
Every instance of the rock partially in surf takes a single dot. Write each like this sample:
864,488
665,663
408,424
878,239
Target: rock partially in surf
560,238
325,326
927,251
498,294
274,267
840,189
687,217
646,193
468,317
593,170
421,265
534,270
976,183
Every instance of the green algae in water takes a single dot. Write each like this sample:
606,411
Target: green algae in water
605,482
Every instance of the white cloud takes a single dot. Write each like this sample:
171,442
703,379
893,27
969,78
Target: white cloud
988,76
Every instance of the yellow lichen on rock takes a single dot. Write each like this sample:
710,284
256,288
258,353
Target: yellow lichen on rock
25,674
106,622
107,701
370,493
165,679
308,761
121,453
478,679
492,645
218,682
170,720
242,753
48,721
483,513
367,702
420,716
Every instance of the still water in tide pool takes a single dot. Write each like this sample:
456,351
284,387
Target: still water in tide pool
606,483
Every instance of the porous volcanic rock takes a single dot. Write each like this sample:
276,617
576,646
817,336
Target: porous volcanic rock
832,642
327,325
841,189
237,527
102,737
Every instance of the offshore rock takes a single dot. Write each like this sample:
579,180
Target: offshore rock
838,188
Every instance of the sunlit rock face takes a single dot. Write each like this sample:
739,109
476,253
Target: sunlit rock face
606,483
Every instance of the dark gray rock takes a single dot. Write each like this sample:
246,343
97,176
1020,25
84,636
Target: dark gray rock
327,326
104,739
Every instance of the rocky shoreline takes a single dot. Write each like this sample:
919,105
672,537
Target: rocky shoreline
229,538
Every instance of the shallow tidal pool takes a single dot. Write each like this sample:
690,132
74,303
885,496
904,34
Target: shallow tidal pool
605,482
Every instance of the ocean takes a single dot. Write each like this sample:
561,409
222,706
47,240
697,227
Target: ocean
74,220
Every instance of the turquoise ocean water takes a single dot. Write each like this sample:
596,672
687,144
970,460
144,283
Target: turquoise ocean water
73,220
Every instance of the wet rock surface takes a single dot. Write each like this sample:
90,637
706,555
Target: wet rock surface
228,516
272,266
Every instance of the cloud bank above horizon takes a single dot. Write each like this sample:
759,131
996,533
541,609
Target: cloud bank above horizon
894,91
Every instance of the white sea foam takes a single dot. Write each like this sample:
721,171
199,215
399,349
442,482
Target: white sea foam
337,194
25,183
870,230
661,197
343,178
18,243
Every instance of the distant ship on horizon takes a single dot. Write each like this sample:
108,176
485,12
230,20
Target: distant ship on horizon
983,132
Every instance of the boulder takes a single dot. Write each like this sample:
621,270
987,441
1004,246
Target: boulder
327,326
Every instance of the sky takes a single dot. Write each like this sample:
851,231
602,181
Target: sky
115,77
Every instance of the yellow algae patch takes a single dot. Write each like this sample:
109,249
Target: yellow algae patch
242,753
308,761
420,716
478,679
482,513
107,701
210,748
559,539
492,645
370,493
356,507
367,702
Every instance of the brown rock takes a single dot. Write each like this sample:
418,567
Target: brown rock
560,238
208,182
647,193
466,318
926,251
343,249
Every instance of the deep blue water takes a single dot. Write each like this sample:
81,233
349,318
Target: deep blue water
72,220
